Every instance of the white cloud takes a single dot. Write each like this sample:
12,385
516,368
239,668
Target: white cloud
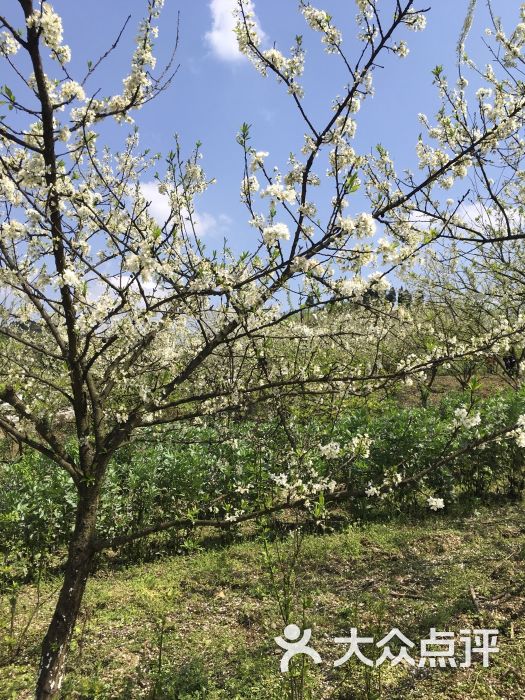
205,224
490,220
221,37
159,207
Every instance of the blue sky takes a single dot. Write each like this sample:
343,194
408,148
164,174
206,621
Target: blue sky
216,90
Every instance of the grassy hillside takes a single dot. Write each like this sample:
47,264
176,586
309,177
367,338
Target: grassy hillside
201,626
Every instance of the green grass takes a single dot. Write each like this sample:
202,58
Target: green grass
215,614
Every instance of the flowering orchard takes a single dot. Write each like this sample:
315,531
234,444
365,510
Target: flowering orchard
117,329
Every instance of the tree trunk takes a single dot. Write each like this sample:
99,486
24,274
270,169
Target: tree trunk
58,637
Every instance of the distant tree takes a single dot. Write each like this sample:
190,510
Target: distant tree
132,325
391,295
419,297
404,297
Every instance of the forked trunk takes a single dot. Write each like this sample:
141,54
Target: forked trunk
80,557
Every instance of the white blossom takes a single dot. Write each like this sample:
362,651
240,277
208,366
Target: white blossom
462,419
257,160
519,433
331,450
49,23
70,278
366,224
72,90
435,503
276,232
8,44
277,191
401,49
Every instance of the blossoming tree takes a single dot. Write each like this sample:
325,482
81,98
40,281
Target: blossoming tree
477,268
125,323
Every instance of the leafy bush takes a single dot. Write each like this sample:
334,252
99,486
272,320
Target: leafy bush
165,476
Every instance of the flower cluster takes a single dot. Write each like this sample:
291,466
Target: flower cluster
371,491
366,7
401,49
286,69
138,86
435,503
320,21
519,433
355,287
277,191
72,90
308,485
249,185
257,160
8,44
360,445
275,232
246,27
332,450
49,24
462,419
416,21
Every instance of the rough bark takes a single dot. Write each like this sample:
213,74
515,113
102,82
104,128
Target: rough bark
80,558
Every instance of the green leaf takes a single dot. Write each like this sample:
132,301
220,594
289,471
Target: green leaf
9,93
157,232
352,184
